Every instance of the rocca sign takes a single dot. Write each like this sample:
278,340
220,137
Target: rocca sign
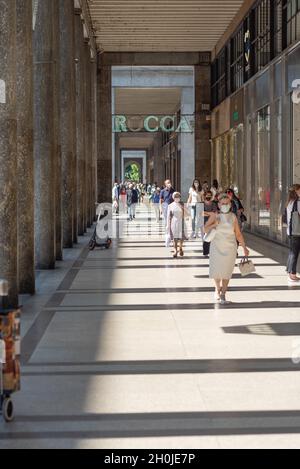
122,123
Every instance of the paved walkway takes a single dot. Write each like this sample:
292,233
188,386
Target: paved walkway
125,349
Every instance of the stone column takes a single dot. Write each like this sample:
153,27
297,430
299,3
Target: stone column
75,160
88,131
104,163
25,219
8,148
91,123
44,149
187,143
79,77
94,136
85,137
57,137
202,125
68,132
118,170
158,160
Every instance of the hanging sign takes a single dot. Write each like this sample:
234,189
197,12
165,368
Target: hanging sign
247,45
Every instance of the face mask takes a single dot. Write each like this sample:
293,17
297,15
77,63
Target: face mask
225,208
177,200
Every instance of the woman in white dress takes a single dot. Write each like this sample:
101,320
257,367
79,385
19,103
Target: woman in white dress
175,223
223,249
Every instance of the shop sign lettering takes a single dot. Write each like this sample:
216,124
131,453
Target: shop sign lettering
152,124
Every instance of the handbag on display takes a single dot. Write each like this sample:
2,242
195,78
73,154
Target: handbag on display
246,267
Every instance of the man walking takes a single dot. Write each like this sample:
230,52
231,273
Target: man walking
132,200
166,198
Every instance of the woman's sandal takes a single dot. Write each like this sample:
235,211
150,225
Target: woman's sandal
181,253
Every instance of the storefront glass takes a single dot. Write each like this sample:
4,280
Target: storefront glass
262,173
296,143
222,160
277,166
237,175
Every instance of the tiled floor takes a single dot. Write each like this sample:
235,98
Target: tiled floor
125,349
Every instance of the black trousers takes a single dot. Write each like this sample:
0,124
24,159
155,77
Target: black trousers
206,248
293,255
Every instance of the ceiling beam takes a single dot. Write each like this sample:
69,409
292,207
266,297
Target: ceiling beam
153,58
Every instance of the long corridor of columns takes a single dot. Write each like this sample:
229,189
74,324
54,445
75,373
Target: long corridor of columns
48,135
124,348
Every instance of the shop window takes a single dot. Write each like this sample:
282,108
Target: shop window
295,166
262,35
237,60
263,169
239,170
277,183
292,15
278,27
219,78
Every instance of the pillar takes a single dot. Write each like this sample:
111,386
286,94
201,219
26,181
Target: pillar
67,113
91,146
79,84
104,144
44,149
202,125
57,137
187,143
8,148
85,136
88,132
25,218
75,160
94,137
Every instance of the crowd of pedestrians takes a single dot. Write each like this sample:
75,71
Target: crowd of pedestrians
216,216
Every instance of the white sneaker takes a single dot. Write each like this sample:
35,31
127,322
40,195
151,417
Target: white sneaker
293,281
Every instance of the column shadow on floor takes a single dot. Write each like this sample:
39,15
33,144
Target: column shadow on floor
142,425
279,329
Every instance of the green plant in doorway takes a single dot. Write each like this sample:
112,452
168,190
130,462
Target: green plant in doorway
133,172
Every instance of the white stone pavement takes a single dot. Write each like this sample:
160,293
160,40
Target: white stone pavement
125,349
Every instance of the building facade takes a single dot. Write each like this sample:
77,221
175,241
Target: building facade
255,119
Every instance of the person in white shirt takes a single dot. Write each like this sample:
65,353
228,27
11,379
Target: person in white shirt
293,205
115,197
194,201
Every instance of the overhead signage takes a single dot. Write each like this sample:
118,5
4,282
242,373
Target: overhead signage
247,46
152,123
